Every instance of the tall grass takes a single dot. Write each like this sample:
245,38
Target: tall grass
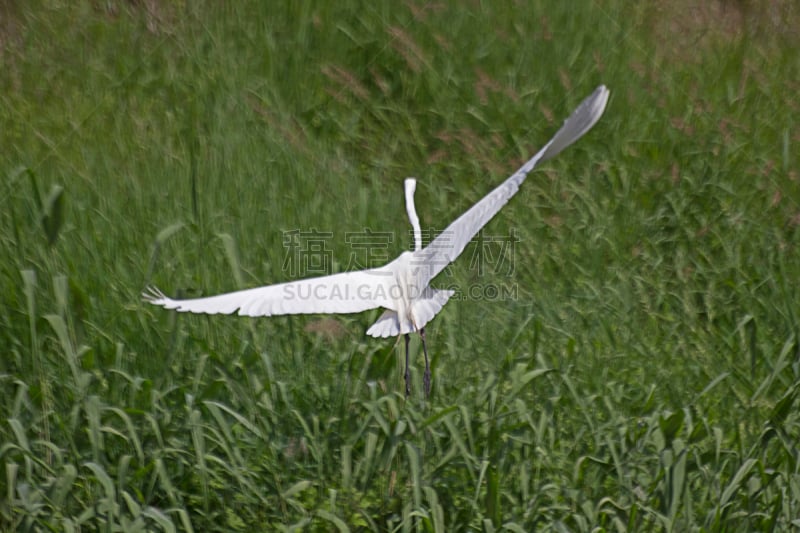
641,374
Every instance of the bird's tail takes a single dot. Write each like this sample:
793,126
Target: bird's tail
425,308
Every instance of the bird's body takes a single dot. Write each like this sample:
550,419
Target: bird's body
401,287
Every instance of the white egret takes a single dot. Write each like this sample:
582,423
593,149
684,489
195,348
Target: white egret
401,287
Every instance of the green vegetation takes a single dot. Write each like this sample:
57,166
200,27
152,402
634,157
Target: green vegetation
645,378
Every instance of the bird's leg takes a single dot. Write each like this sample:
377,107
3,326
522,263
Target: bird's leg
407,375
426,378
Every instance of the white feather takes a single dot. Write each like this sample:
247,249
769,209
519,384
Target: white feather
348,292
449,244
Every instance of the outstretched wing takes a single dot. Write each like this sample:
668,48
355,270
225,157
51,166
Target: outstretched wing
347,292
446,247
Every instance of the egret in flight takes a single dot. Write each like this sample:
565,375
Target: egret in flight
400,287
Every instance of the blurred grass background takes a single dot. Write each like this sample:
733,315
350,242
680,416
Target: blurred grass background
645,376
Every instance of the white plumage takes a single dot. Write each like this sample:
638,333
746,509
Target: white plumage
401,287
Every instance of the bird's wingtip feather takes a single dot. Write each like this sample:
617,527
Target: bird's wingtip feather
153,295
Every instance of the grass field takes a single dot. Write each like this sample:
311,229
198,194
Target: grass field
638,368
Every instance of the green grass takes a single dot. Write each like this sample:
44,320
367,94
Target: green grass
645,376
